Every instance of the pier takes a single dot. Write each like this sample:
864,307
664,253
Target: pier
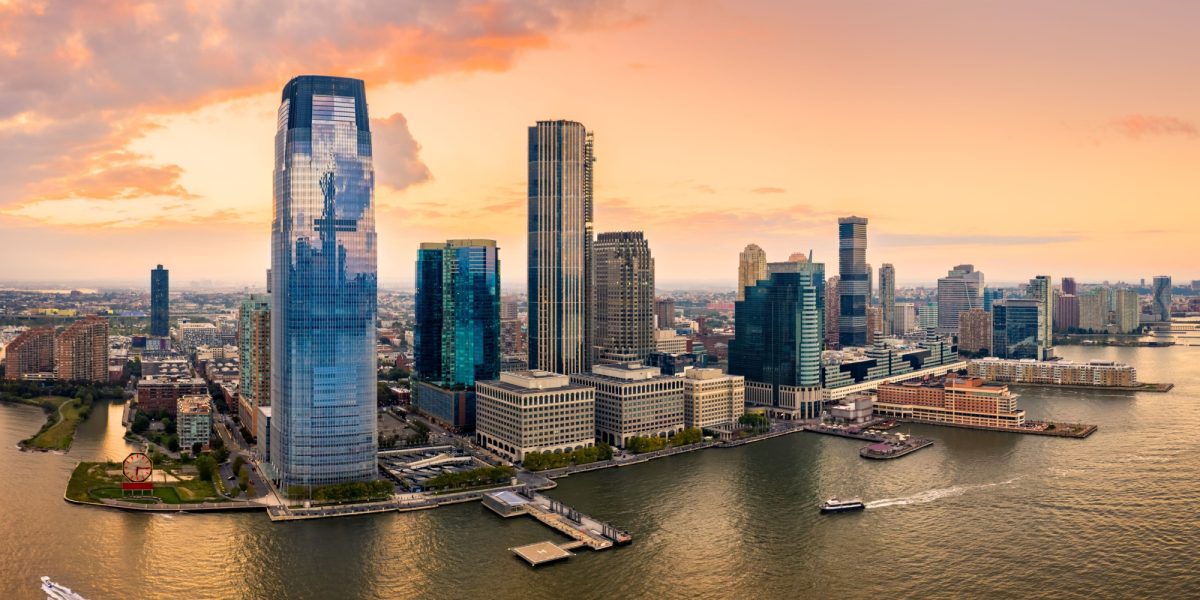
885,446
583,530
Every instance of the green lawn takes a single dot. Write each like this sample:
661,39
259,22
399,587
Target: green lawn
91,482
63,417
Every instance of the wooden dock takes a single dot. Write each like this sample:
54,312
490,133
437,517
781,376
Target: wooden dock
584,531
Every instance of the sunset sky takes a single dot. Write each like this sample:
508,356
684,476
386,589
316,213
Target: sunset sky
1026,137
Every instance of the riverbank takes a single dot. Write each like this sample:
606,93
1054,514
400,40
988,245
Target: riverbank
63,416
1048,428
175,485
1160,388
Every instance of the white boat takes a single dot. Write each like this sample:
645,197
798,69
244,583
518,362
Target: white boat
55,591
835,505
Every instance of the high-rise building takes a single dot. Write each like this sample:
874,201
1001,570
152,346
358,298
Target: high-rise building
664,313
254,353
1125,316
975,331
1041,290
960,290
1066,312
194,335
777,345
509,308
515,413
927,316
874,324
561,165
752,268
624,297
1069,286
712,398
324,282
633,400
990,295
1160,298
1015,329
1093,310
887,297
81,351
814,269
854,283
160,302
193,421
904,318
456,338
833,309
30,353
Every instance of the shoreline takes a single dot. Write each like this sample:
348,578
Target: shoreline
1158,388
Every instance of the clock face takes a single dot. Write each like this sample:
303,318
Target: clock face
137,467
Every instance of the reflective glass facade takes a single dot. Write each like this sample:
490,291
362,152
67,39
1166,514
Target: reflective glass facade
323,281
854,285
778,330
457,333
1015,328
160,302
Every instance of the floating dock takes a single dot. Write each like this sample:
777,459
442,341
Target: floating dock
585,531
541,553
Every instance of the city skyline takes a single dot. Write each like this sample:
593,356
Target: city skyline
94,197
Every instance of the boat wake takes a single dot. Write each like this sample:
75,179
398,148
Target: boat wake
932,495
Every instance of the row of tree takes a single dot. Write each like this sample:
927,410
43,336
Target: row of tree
473,478
344,492
639,444
540,461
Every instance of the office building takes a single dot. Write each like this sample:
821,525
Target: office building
1066,312
874,324
664,313
1160,298
1015,329
624,300
254,357
1041,290
633,400
160,302
193,421
509,308
1096,373
1093,310
833,306
1126,311
1069,286
951,400
30,353
854,283
534,411
816,271
674,363
887,297
452,407
990,295
669,342
456,338
904,318
777,344
752,268
975,331
323,299
194,335
81,351
561,165
927,316
712,399
960,290
157,393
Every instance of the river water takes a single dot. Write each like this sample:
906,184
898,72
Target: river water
979,514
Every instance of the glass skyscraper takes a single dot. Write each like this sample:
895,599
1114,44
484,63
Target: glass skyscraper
323,301
1015,328
160,302
1160,298
457,335
560,247
854,284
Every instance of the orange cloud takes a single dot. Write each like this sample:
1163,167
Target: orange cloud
1139,126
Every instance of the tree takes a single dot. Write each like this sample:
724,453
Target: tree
238,461
383,394
220,454
196,448
168,425
141,423
173,444
206,466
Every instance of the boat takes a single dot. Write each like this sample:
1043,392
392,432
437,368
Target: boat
834,505
55,591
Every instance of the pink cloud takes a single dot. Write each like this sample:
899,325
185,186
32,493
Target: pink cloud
1139,126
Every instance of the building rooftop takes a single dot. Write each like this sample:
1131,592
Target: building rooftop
527,382
194,405
630,371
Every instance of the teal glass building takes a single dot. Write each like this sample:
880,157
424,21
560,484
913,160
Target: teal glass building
457,334
323,282
1015,328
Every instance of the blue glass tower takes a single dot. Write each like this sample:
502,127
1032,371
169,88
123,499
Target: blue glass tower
854,281
457,333
1015,328
160,302
323,274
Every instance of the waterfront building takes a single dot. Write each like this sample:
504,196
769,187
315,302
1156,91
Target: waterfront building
1066,313
855,408
452,407
561,165
1125,314
324,286
777,344
904,318
31,353
960,290
456,338
162,393
254,356
1041,290
1093,310
833,306
664,313
951,400
975,331
1069,287
927,316
669,342
534,411
1095,373
624,300
81,351
887,297
854,281
160,302
1160,298
712,399
752,268
194,335
1015,329
193,421
633,400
